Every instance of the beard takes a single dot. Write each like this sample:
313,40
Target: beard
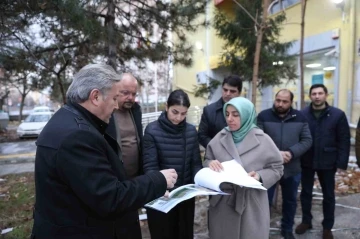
281,110
127,105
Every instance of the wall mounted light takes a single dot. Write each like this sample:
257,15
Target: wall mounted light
199,45
329,68
314,65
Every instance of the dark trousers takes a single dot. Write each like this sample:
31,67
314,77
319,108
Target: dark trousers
327,182
178,223
289,187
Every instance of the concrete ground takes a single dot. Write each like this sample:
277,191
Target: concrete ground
19,157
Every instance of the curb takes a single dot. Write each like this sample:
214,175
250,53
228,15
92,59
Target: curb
17,160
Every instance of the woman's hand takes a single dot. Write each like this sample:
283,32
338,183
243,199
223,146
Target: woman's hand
216,165
255,175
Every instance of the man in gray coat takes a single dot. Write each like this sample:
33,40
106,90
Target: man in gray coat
290,132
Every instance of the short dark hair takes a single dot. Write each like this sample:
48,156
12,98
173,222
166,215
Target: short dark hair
288,91
234,81
178,97
318,86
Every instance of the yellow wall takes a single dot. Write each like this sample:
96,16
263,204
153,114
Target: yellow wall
185,77
322,16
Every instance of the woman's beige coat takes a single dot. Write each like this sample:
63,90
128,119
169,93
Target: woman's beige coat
245,213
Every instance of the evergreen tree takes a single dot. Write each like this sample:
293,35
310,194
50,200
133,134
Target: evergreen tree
75,32
239,33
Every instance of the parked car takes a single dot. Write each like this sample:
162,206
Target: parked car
42,109
33,124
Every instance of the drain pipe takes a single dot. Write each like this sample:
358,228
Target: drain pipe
351,80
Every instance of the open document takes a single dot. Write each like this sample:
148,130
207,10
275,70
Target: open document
207,182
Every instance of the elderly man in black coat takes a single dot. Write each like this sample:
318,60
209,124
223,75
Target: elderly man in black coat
82,190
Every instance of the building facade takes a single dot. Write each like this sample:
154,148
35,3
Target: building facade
331,53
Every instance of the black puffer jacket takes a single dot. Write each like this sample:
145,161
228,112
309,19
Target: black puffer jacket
172,146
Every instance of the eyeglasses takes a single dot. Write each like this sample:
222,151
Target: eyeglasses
127,93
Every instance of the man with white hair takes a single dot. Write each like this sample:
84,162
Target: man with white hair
82,190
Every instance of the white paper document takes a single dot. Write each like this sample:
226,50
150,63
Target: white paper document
207,182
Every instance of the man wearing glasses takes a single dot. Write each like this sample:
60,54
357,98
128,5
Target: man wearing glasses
126,127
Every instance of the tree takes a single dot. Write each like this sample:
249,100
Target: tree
241,34
116,31
21,74
302,24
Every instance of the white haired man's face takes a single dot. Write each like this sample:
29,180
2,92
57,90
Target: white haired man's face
109,103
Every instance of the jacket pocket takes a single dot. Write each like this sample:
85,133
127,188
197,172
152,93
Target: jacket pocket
329,157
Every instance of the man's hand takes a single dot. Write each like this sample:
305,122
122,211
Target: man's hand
166,194
170,176
255,175
216,165
286,156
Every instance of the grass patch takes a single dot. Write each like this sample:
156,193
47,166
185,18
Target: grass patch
16,205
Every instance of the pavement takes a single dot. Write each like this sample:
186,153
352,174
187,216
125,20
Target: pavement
19,157
17,152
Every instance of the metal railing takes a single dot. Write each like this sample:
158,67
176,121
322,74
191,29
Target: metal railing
193,116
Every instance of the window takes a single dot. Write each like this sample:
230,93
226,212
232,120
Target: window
278,5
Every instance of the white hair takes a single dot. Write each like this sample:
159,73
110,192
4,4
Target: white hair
90,77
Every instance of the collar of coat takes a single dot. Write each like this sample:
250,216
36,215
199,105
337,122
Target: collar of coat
90,117
219,104
248,143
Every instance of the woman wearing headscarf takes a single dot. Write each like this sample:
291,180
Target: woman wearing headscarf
245,213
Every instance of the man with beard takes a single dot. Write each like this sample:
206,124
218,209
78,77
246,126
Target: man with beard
329,152
126,126
290,132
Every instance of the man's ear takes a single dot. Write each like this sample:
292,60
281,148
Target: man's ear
94,97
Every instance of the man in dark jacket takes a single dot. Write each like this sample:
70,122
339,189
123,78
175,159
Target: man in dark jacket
126,127
212,119
357,143
81,185
290,132
329,152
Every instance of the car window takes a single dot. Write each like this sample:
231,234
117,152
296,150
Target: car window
37,118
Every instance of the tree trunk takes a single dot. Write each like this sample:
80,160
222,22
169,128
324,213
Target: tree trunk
61,87
110,25
3,98
302,24
259,38
23,96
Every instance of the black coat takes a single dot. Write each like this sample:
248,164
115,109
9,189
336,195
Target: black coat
81,188
136,114
172,146
212,122
290,133
331,139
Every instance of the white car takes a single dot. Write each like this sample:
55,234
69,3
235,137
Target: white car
42,109
33,124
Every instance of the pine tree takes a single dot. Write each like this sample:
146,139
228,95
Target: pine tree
239,33
76,32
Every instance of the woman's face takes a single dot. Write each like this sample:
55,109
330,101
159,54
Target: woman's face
233,118
176,113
